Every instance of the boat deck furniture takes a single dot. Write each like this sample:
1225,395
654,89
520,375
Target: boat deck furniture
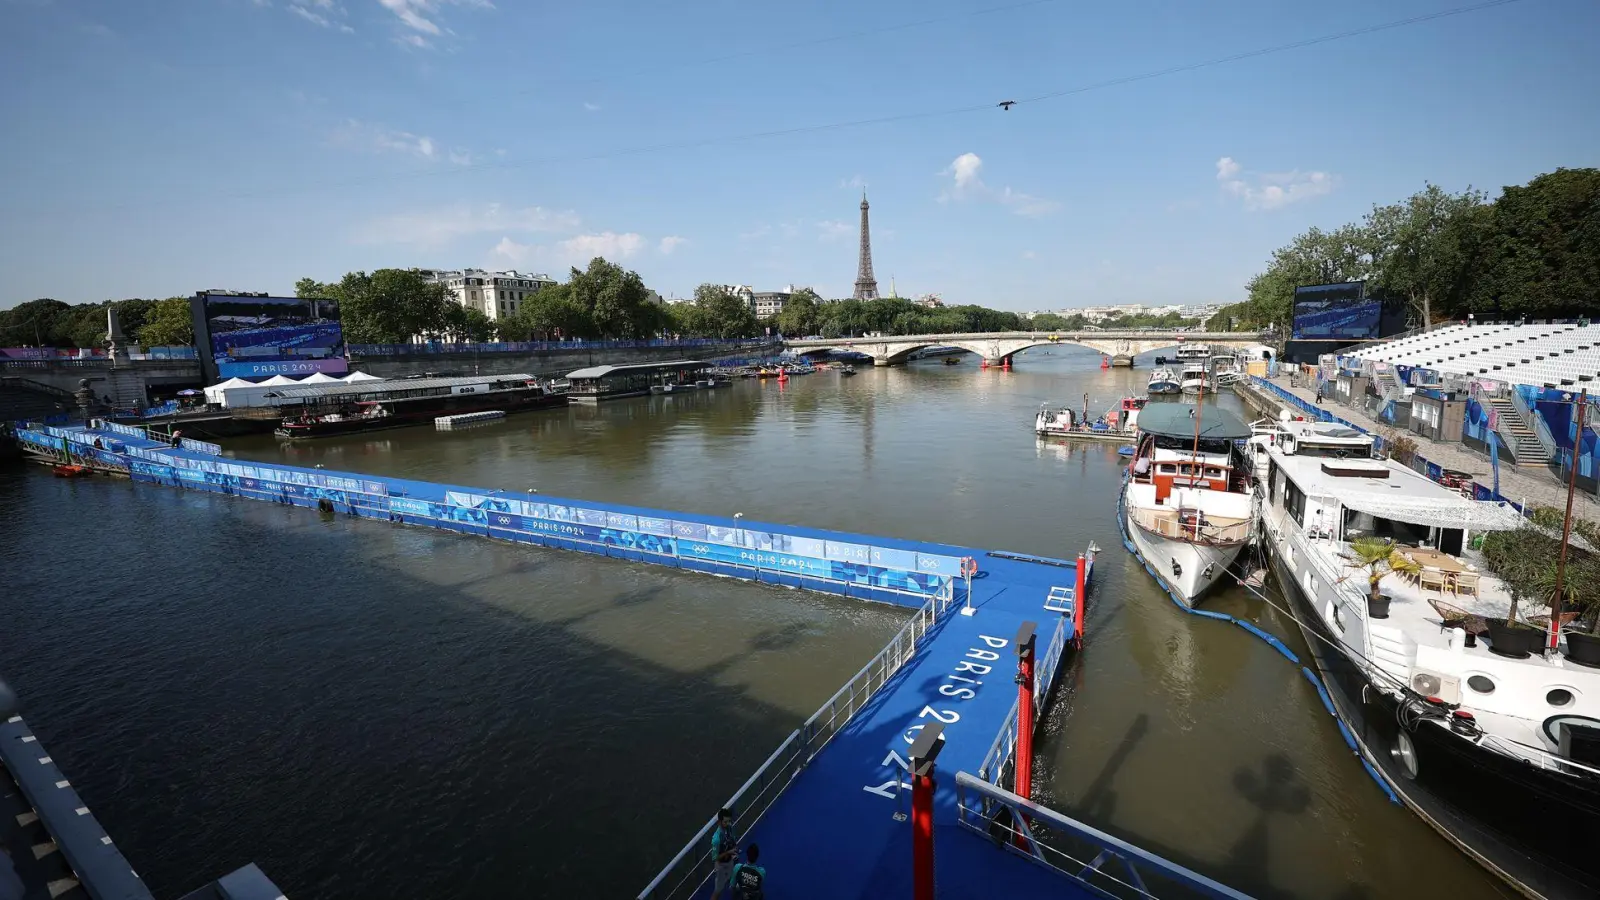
1451,616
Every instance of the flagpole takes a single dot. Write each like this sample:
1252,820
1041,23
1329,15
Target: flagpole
1566,523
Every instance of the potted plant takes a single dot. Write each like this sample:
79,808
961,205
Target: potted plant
1523,560
1581,588
1380,558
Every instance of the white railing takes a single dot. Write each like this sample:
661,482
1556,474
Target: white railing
1076,850
687,871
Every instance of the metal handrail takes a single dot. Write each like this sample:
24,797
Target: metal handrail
993,768
693,864
1010,821
1535,420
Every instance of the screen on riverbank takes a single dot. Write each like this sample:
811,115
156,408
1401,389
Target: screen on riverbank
1336,312
253,337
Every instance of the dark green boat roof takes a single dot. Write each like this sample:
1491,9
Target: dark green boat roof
1177,419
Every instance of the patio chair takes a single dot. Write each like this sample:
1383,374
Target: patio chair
1466,583
1451,616
1431,577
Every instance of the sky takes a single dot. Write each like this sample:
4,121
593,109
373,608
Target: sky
163,147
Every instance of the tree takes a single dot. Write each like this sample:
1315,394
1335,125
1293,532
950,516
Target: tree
718,313
616,300
167,324
470,325
1540,250
799,314
310,288
36,323
390,306
1314,257
548,314
1416,252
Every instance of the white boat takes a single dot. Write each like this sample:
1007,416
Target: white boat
1186,506
1164,381
1495,747
1195,378
1056,420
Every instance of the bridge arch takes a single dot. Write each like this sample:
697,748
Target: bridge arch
998,347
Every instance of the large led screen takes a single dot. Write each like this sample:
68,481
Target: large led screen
1336,312
249,337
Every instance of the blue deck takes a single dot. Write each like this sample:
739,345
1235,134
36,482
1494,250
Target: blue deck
831,832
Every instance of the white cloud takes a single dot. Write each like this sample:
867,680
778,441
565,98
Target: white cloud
832,230
574,251
460,157
1029,254
967,183
759,231
432,228
306,9
609,244
854,182
370,137
421,16
591,107
1271,190
672,242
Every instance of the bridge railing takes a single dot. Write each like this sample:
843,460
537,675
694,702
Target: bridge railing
687,871
1108,866
440,347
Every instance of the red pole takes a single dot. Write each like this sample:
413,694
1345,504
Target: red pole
1024,779
922,835
1078,601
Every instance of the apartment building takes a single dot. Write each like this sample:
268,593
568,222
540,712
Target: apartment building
495,294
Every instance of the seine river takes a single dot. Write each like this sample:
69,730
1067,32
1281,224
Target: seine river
373,711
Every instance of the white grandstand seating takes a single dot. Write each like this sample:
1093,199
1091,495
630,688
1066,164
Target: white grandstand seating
1542,355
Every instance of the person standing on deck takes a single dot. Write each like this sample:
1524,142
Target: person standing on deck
724,852
749,878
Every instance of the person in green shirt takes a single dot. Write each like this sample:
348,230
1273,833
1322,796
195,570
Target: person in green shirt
749,878
724,853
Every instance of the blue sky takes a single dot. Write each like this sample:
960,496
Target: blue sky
165,146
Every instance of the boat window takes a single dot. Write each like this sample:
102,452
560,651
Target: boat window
1481,684
1168,468
1559,697
1294,501
1213,472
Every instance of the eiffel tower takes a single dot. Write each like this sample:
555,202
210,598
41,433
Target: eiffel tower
866,285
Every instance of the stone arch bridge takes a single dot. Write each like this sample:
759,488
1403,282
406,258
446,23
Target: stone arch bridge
997,348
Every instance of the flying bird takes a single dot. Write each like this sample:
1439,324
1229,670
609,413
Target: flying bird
1006,104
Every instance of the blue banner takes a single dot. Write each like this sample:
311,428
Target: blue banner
856,553
410,507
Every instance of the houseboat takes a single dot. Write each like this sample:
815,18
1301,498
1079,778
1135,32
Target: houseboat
1491,739
327,410
1186,504
1196,378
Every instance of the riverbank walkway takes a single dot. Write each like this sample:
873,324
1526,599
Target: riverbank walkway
831,808
1533,483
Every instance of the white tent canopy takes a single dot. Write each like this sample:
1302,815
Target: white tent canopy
320,378
214,393
277,380
1475,515
361,376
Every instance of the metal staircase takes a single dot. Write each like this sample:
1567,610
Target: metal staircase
1518,433
126,389
1389,384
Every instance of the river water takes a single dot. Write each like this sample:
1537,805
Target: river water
370,711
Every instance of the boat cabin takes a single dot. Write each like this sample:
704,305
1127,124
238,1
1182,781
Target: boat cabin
1186,447
598,383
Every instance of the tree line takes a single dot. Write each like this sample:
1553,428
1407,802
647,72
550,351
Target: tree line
51,323
1533,251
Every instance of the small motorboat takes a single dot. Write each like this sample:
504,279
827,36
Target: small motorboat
72,471
847,371
1164,381
952,360
1127,450
1058,420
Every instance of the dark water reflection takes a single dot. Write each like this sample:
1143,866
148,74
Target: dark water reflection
373,711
